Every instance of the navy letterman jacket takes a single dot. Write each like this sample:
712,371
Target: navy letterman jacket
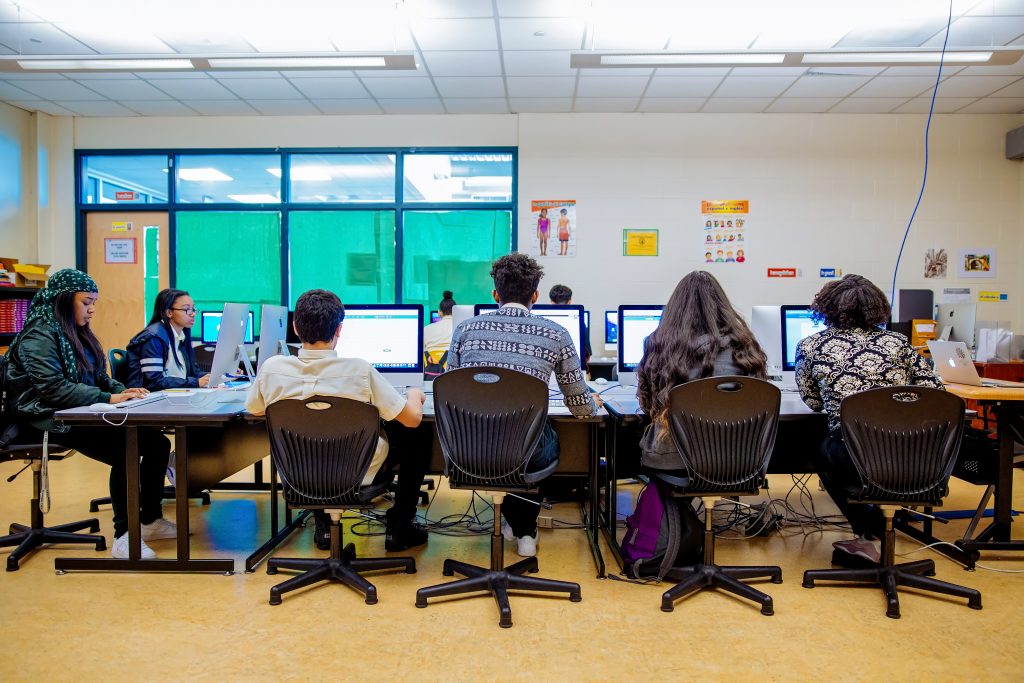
150,352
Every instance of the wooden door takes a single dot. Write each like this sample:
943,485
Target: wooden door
116,257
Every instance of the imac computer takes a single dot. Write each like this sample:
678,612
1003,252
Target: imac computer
567,315
635,324
273,333
764,323
956,323
797,322
586,320
389,337
435,316
461,314
611,328
230,350
211,327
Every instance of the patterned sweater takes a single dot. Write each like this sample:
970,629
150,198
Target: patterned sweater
835,363
513,338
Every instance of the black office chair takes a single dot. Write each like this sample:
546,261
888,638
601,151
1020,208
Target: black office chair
118,364
489,421
322,447
30,537
204,356
903,442
724,428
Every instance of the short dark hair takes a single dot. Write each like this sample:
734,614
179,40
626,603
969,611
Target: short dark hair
317,315
853,301
560,294
516,277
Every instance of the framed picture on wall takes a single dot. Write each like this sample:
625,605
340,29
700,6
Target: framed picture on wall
977,262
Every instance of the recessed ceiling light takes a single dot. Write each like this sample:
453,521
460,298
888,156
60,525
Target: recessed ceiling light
104,64
203,175
255,198
895,57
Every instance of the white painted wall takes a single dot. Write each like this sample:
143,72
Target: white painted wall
17,185
825,190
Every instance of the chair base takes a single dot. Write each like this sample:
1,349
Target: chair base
911,574
497,582
701,576
169,493
343,568
29,538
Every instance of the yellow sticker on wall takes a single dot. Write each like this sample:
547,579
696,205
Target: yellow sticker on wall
639,242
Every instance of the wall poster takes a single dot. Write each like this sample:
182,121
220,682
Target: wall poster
553,227
724,230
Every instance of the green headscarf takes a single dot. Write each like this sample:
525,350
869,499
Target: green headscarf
41,309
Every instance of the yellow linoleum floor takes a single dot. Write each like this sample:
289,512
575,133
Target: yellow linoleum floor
113,627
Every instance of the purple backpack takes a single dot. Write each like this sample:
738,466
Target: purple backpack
660,534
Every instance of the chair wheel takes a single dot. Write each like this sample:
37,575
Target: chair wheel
275,600
447,572
271,570
575,597
776,579
94,527
421,602
371,598
12,566
101,544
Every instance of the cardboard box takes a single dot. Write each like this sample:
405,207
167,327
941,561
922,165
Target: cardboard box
8,265
921,331
31,274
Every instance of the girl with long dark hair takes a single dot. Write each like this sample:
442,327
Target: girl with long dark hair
161,357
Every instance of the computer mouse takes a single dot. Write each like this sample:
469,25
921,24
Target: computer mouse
101,407
600,380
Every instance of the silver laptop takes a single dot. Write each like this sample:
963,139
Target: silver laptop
954,365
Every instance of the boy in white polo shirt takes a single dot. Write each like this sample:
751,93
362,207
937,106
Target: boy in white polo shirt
318,370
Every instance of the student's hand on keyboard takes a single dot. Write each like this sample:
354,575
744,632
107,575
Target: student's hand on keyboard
414,394
128,394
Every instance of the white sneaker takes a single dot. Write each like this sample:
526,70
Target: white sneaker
158,530
506,531
119,550
526,546
171,473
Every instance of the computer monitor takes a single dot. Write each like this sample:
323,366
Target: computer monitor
956,322
586,320
211,327
461,314
635,324
292,337
273,333
389,337
611,327
764,323
229,351
797,323
435,316
569,316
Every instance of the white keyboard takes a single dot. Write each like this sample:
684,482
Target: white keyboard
135,402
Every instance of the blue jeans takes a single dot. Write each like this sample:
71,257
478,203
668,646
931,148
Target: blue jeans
521,514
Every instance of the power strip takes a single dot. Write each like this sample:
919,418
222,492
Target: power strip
545,522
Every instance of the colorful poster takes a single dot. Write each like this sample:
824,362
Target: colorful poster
935,262
553,227
977,262
639,242
724,230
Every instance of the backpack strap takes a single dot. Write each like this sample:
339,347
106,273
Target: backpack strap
675,532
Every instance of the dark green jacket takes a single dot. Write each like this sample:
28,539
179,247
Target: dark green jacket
38,383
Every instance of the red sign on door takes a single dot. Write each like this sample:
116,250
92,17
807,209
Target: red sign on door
124,196
782,272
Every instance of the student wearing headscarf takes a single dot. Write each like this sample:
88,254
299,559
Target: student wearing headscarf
56,363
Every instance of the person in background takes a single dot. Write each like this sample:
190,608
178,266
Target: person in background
561,295
853,354
56,363
318,370
437,337
160,356
531,345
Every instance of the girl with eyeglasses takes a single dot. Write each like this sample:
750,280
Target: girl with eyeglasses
161,357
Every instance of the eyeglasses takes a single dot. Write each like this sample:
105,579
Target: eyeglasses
187,311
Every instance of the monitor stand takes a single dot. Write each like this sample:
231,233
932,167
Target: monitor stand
242,356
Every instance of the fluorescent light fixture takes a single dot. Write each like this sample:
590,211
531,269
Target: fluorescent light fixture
396,62
302,173
202,175
896,57
104,64
255,198
700,59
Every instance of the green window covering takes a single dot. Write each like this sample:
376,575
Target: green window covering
351,253
228,256
452,250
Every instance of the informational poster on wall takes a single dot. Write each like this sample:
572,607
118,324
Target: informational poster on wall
724,230
639,242
117,250
553,225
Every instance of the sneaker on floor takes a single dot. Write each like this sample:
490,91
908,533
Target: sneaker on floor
322,535
399,538
119,549
159,529
526,546
506,531
860,547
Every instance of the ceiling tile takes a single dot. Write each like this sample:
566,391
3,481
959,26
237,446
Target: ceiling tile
1016,69
801,105
101,76
904,34
752,86
480,105
470,87
456,34
159,108
206,42
676,105
736,104
319,73
537,8
353,106
43,106
769,71
928,71
273,39
39,39
33,77
979,32
13,11
541,86
617,72
605,86
127,90
694,71
826,86
469,63
10,91
556,34
943,105
605,104
400,88
895,86
330,88
104,108
537,63
973,86
261,88
222,75
1015,89
699,36
284,107
172,75
682,86
104,41
360,37
221,107
993,105
998,7
193,89
540,105
60,90
868,105
403,106
454,8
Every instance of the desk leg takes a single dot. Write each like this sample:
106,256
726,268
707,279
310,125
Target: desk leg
592,516
277,536
609,526
996,535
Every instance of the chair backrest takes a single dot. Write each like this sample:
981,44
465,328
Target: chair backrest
203,355
118,364
489,422
322,447
724,428
903,441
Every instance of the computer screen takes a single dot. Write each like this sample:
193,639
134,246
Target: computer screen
273,332
226,356
388,336
211,326
956,322
635,324
435,316
797,323
611,327
586,320
568,316
764,323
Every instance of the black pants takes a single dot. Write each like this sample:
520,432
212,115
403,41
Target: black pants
521,514
107,444
837,473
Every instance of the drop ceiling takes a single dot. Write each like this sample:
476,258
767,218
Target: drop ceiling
506,56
